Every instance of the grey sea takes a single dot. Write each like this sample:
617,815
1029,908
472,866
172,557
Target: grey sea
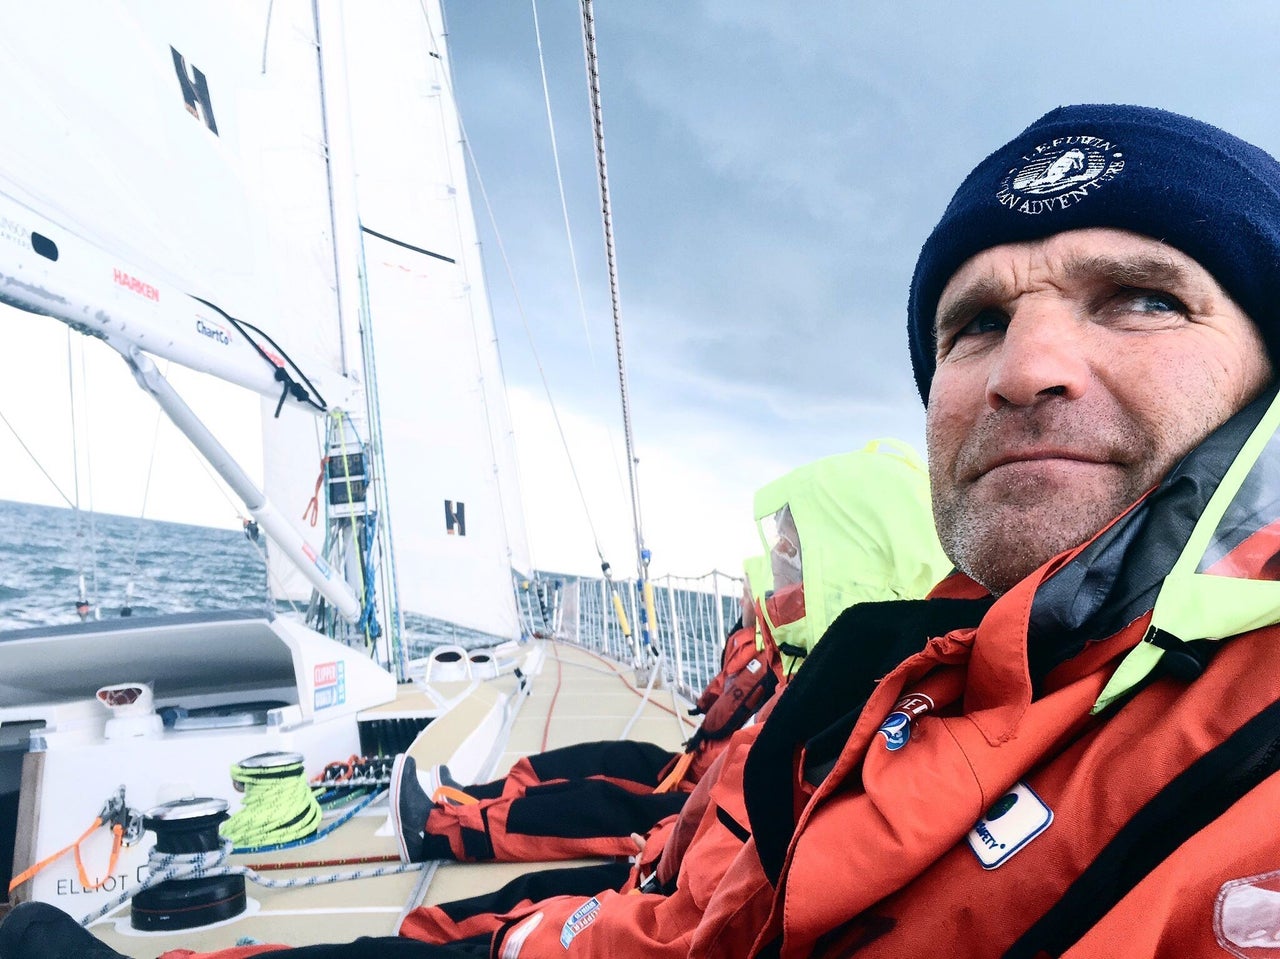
146,566
173,568
152,567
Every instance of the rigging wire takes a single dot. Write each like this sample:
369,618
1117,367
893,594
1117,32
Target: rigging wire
272,578
384,555
82,606
142,512
564,205
573,259
266,34
27,449
611,257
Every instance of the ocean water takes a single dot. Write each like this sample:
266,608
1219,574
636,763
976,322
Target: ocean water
148,566
155,567
44,552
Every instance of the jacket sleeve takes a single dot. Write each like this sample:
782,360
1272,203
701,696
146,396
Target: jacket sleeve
606,925
649,924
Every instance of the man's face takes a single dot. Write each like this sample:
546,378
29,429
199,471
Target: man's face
1073,373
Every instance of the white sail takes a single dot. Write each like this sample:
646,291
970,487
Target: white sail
446,436
138,147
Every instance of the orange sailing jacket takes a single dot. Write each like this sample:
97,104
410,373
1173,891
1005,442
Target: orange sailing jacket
977,803
973,812
889,856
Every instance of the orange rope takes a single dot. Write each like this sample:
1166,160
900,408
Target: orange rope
546,728
323,863
117,833
312,511
22,877
337,772
457,795
677,774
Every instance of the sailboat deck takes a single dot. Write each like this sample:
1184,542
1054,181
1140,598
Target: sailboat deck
576,696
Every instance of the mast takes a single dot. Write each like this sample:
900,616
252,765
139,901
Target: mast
357,504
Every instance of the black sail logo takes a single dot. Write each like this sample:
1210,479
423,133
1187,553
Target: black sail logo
195,91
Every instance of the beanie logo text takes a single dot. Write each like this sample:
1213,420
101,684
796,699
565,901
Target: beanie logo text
1059,174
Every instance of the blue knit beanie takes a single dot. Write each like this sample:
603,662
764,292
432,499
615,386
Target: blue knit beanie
1166,176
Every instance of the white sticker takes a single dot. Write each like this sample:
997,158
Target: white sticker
1013,820
582,917
514,942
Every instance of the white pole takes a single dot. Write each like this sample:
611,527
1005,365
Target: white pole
675,635
279,529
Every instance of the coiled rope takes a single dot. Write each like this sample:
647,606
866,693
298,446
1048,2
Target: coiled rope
315,836
279,806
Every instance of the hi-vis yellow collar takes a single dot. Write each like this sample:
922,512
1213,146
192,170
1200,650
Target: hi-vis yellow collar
1218,587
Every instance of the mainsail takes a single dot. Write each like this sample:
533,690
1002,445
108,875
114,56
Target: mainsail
169,184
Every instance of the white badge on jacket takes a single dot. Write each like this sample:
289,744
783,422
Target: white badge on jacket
1013,820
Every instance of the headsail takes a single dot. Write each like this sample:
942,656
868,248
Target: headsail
449,450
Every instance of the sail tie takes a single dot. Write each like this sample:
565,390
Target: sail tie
126,829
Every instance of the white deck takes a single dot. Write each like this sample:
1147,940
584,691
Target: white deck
576,697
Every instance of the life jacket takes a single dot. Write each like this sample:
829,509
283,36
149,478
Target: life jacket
751,675
738,648
1064,777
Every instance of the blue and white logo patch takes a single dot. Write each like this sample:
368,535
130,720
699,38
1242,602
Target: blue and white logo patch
1059,174
896,728
1013,820
582,917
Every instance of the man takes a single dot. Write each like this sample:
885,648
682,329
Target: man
1055,754
1068,766
1069,748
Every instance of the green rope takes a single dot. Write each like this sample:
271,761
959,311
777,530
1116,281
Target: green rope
278,806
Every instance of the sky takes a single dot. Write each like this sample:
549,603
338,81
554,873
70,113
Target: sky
774,169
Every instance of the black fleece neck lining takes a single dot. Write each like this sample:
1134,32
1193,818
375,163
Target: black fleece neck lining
862,646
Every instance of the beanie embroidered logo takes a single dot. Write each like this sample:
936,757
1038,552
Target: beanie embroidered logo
1060,173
